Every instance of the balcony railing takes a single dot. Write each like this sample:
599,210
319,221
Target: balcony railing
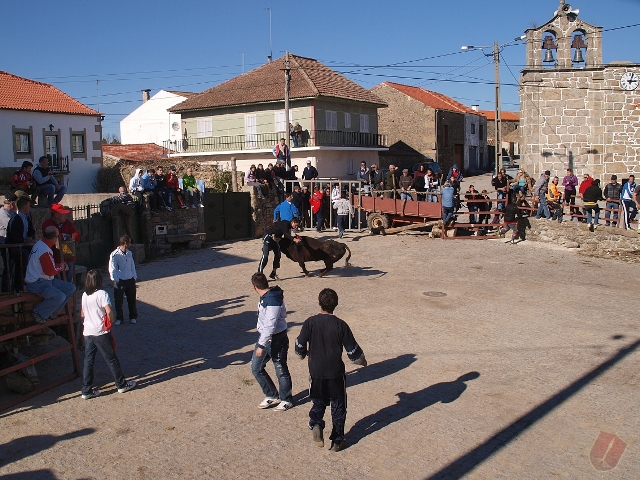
58,164
315,138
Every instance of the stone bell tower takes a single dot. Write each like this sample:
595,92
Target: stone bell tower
575,111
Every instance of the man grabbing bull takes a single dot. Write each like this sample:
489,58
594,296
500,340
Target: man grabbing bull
271,241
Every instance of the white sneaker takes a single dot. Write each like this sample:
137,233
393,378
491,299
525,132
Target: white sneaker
133,320
200,205
117,322
284,406
92,394
130,385
269,402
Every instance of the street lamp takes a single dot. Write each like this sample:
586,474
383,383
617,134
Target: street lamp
496,63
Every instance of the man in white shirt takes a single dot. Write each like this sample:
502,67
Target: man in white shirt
122,271
40,278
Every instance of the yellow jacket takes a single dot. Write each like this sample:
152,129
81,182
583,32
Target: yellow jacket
553,194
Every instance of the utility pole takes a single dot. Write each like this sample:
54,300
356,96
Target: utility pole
498,121
270,57
287,79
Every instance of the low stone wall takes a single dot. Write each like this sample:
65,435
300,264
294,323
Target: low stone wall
605,242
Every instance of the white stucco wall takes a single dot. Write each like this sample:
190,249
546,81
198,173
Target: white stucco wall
151,122
330,163
474,140
83,172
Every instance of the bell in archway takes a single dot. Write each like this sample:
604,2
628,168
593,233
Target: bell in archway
548,56
577,57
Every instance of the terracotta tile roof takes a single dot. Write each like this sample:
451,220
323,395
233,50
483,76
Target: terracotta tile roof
505,116
17,93
309,79
139,152
432,99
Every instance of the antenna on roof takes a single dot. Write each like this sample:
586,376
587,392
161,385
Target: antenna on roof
270,57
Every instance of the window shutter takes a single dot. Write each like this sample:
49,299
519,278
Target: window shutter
332,120
347,120
364,123
279,120
205,127
251,131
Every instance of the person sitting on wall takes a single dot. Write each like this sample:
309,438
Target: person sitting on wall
250,180
20,230
23,180
135,185
122,204
173,186
149,184
191,190
47,183
67,231
261,178
161,189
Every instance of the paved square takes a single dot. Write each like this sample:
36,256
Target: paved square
511,365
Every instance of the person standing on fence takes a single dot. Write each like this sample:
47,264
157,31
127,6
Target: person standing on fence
323,337
97,318
20,230
540,190
612,192
7,212
40,278
629,201
122,270
68,232
281,152
46,181
122,204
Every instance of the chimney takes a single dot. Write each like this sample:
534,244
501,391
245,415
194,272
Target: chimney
146,95
474,107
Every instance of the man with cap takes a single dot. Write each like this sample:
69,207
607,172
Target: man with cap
6,214
68,232
405,182
612,192
540,190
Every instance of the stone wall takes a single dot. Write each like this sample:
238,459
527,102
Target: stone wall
261,211
608,242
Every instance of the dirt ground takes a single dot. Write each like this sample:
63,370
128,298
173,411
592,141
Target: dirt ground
486,360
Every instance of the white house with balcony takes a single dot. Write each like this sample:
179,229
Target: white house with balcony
38,119
151,122
244,118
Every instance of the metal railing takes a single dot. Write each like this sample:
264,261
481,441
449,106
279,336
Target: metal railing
58,164
314,138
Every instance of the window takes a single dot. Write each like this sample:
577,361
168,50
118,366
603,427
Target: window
77,143
332,120
279,120
473,129
251,131
22,142
205,127
347,120
364,123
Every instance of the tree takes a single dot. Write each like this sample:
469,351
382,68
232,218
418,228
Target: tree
110,139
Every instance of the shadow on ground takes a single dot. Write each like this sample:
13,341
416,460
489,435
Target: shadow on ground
408,404
24,447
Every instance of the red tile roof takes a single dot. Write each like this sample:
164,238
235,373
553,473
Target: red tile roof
504,116
309,79
432,99
140,152
17,93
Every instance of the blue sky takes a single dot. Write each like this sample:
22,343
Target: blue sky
192,45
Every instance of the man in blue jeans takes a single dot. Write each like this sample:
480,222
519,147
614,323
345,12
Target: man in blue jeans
448,202
273,345
40,278
540,190
47,183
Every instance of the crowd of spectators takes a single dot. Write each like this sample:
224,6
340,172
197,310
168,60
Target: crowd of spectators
161,189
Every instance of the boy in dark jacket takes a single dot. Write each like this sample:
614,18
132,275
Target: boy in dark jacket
322,337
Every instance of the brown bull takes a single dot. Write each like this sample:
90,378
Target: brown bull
313,250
